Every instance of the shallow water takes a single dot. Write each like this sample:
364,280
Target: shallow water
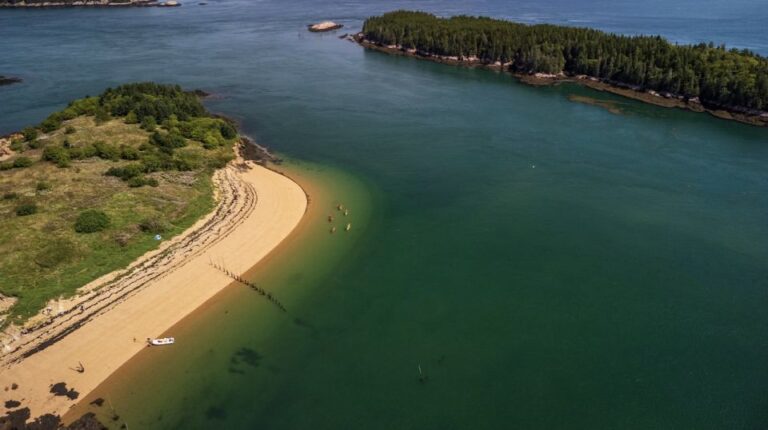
547,263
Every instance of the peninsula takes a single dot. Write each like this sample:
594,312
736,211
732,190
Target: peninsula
728,83
114,206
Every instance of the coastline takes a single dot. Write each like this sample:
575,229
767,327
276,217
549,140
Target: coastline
651,97
139,393
257,209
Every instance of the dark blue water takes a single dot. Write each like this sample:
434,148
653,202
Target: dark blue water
549,263
229,45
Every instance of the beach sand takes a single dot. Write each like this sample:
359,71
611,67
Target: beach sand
258,208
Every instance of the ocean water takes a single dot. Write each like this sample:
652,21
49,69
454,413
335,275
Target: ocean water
545,263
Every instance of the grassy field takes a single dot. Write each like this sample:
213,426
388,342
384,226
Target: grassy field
43,257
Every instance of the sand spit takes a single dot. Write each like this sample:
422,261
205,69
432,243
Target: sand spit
104,326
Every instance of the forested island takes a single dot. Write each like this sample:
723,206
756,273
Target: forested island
730,83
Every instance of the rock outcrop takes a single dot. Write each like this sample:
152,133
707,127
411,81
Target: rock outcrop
324,26
8,80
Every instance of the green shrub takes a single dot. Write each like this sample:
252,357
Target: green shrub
101,116
26,209
168,141
50,124
171,122
76,153
84,106
89,151
185,162
91,221
140,181
148,123
137,181
34,144
17,145
11,195
210,141
154,226
126,172
43,186
107,151
30,133
219,160
21,162
227,131
6,166
157,162
57,155
131,118
129,152
69,130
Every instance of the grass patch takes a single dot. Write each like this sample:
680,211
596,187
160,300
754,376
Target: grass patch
151,188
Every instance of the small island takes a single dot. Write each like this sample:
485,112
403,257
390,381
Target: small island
728,83
324,26
86,3
8,80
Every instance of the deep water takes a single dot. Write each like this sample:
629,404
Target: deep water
548,264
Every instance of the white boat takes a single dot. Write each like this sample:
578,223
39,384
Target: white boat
161,341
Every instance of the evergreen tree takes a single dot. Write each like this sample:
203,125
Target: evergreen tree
718,76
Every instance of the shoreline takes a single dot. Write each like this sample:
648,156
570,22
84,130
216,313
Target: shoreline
257,209
650,97
134,390
311,227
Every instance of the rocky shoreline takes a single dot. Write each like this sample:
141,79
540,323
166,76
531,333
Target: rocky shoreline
758,118
87,3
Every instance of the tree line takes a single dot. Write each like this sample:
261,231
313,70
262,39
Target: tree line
173,118
716,75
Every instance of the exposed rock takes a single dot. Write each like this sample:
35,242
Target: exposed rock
200,93
8,80
324,26
253,151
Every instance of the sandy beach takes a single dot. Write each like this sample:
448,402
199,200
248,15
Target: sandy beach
110,320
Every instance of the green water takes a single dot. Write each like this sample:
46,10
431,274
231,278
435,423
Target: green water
548,264
238,336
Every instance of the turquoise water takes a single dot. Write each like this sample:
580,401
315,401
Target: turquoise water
547,263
